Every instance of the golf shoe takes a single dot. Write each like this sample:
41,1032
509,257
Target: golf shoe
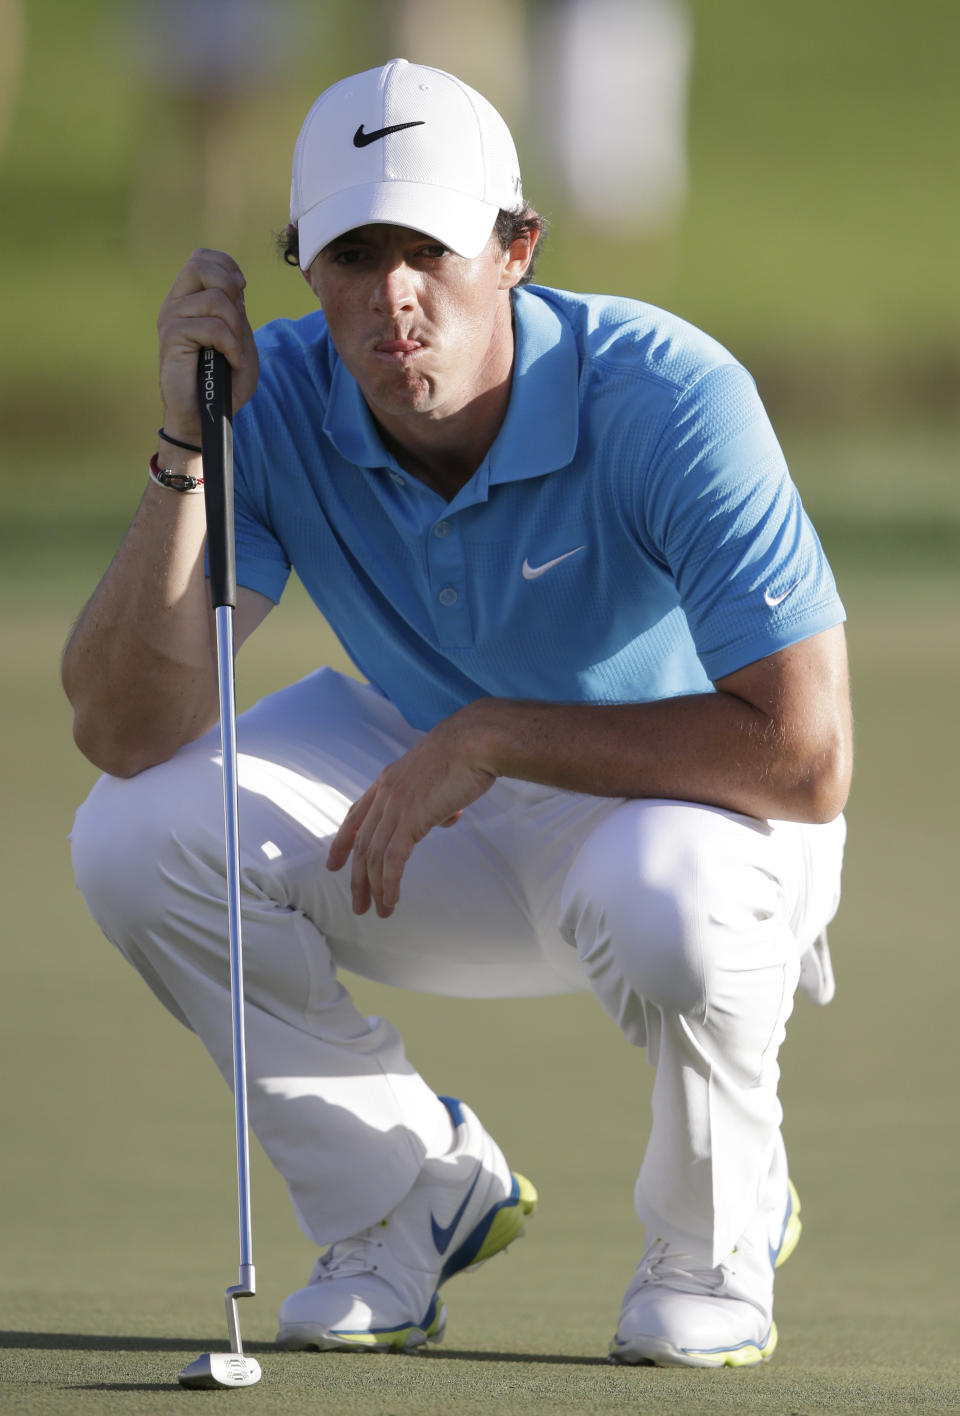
674,1314
378,1290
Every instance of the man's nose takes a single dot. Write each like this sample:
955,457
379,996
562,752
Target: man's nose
394,290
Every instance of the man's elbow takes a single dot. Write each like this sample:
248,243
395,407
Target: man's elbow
111,751
822,789
106,754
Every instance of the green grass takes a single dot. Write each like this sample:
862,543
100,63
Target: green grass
117,1171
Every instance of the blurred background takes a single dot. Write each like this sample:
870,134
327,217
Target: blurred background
784,176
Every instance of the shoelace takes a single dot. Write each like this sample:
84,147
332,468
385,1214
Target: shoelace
348,1256
663,1264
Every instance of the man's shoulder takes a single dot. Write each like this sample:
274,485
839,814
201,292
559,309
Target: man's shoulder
289,346
287,337
623,336
293,387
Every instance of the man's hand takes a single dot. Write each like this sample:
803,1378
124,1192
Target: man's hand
429,786
204,308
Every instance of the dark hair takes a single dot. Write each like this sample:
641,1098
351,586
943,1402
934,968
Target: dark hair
511,225
508,227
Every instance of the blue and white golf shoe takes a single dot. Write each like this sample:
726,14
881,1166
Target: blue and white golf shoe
378,1290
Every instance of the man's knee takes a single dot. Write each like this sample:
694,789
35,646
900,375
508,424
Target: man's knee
658,891
133,836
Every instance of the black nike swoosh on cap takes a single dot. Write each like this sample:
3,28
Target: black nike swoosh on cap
362,139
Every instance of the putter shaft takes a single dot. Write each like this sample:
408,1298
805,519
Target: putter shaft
228,746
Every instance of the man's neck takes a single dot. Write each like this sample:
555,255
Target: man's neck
444,453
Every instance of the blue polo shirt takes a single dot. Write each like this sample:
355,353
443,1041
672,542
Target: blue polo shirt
632,534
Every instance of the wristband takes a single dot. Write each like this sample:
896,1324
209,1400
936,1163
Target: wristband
174,481
190,447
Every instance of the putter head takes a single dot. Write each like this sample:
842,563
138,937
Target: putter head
221,1369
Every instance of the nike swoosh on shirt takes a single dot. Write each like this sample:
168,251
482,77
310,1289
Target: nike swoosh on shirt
362,139
442,1236
533,572
774,600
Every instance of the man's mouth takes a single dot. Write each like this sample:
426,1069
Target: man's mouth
396,347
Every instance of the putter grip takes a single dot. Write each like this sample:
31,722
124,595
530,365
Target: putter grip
216,440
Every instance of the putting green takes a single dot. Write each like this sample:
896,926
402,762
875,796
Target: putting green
119,1230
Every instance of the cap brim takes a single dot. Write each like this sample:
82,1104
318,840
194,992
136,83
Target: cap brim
461,223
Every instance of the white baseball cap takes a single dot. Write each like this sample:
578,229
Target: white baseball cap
409,146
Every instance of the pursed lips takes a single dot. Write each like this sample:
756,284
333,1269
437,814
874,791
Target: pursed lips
398,351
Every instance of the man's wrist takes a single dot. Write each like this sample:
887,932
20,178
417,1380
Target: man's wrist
179,458
177,464
185,444
189,479
182,433
484,726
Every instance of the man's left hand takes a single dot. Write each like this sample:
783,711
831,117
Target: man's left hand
428,786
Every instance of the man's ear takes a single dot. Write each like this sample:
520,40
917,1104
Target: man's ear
517,258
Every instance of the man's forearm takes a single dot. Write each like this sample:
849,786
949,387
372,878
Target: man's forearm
774,741
139,667
710,748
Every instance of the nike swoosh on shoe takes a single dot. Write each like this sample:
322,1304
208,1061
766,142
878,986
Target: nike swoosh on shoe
443,1234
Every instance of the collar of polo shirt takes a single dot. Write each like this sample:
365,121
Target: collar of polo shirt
539,433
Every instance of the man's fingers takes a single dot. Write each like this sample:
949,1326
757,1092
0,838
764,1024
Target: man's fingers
365,877
377,875
370,835
207,269
339,851
360,895
359,881
203,333
342,843
395,859
220,304
205,317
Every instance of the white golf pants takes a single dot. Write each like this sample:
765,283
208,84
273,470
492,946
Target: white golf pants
687,922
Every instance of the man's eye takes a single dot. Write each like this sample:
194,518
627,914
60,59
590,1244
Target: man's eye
433,252
346,255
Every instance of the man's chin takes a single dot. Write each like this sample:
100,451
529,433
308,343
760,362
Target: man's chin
399,401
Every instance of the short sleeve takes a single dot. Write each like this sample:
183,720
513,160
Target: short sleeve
720,509
261,562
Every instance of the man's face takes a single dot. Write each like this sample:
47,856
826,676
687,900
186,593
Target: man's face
424,332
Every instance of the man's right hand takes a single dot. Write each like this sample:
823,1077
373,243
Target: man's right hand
204,308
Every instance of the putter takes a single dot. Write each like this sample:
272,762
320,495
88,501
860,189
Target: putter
233,1368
